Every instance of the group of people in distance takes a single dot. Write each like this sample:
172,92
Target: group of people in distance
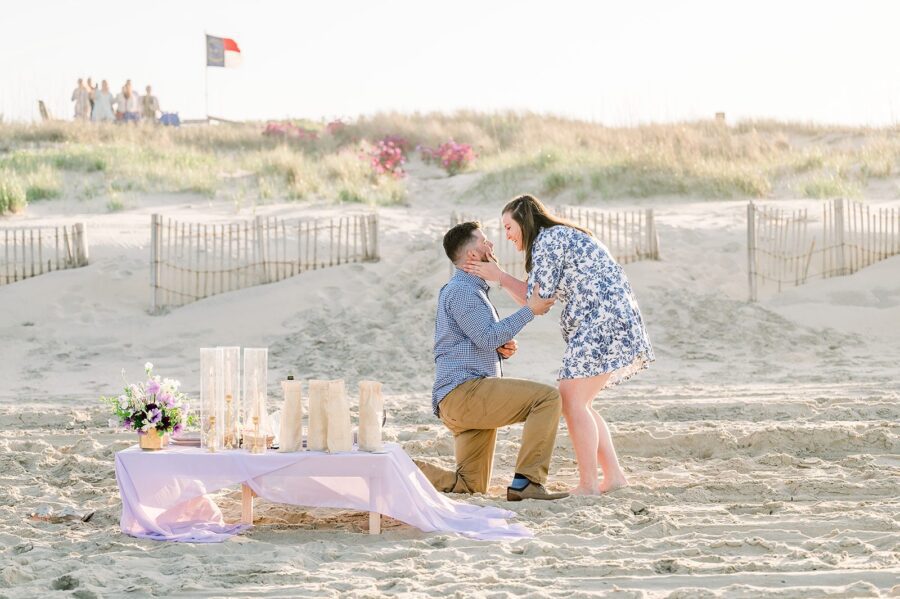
606,343
97,104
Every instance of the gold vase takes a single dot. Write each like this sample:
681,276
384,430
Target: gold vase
151,440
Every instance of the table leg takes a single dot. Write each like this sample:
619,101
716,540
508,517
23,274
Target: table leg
374,517
374,523
247,496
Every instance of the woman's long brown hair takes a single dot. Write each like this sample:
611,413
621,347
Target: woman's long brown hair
533,216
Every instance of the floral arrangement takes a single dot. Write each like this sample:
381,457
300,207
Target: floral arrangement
289,130
387,156
156,403
453,157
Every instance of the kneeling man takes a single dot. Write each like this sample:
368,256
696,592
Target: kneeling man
470,395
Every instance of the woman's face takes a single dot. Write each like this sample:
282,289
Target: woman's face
513,230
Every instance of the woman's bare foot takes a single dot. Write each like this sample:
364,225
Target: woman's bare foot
611,484
582,490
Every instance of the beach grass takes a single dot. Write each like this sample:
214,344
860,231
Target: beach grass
551,156
12,194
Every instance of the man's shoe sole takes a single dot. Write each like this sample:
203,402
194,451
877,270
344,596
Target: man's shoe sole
513,496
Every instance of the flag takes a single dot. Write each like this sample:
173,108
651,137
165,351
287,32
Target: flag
222,52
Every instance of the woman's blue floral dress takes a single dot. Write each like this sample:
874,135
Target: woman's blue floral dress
601,322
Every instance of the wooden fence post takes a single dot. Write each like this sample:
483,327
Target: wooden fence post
375,236
261,251
751,249
652,235
155,220
839,236
81,245
372,222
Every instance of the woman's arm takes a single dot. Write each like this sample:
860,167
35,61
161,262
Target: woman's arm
514,287
492,273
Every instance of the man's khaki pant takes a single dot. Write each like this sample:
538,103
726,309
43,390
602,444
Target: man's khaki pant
474,411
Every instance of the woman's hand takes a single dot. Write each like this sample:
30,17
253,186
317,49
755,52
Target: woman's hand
489,271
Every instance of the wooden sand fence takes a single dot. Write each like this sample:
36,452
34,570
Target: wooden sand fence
32,251
790,247
192,261
629,235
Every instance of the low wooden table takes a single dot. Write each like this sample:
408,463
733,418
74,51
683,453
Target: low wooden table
168,495
247,495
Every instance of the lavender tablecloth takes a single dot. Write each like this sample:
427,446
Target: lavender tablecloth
165,494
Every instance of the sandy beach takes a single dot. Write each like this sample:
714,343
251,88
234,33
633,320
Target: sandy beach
763,446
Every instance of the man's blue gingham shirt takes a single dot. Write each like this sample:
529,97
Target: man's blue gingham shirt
467,333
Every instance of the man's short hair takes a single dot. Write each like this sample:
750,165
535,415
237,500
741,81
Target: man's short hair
456,239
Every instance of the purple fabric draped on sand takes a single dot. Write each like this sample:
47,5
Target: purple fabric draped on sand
165,493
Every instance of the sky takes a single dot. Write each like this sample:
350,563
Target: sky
618,63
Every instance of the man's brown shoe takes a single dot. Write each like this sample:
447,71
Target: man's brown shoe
532,491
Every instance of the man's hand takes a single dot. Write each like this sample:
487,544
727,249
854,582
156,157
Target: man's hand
508,349
537,304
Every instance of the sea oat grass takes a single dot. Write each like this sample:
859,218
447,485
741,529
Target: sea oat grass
41,184
515,151
828,186
12,194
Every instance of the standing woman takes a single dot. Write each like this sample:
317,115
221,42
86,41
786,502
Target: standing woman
606,341
103,100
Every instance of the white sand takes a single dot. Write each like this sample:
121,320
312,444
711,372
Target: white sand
762,446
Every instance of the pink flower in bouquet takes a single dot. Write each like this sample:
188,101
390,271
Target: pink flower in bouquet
152,387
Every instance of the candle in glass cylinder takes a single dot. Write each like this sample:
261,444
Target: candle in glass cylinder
232,380
230,440
211,436
212,395
255,385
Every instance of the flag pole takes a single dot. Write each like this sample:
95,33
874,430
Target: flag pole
206,73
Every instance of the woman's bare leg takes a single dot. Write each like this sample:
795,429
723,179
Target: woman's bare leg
613,476
577,395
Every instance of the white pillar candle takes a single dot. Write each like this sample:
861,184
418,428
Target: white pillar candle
339,434
318,417
290,437
371,409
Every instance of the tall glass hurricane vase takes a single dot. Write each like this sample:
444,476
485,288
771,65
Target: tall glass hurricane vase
256,364
232,412
212,397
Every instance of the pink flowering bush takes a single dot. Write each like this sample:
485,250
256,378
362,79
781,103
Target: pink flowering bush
335,127
290,131
387,157
451,156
